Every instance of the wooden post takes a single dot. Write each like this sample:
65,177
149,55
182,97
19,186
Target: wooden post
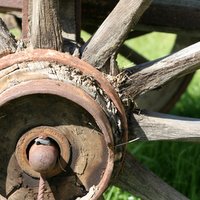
45,29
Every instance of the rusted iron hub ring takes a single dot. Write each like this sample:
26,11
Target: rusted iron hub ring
79,96
68,60
28,138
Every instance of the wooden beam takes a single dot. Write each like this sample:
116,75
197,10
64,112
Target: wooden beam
173,16
141,182
153,126
111,34
7,42
163,15
45,29
142,78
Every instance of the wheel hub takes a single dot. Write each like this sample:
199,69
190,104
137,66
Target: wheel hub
66,101
30,155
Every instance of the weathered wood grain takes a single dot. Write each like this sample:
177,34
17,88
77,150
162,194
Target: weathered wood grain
180,16
152,75
7,42
113,31
143,183
45,29
152,126
169,94
162,15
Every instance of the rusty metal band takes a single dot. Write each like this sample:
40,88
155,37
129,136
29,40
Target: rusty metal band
79,97
66,59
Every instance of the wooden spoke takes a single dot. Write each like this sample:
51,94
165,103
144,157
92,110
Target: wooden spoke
45,29
156,126
152,75
143,183
162,15
168,15
113,31
171,92
47,19
7,42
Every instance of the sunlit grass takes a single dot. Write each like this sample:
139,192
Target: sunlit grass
116,193
16,32
153,45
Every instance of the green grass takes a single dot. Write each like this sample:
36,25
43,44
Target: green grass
175,162
151,46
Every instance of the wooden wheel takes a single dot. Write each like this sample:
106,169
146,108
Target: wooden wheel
55,94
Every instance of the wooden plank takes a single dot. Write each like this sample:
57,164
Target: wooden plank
10,5
143,183
111,34
45,29
169,94
173,16
149,76
154,126
163,15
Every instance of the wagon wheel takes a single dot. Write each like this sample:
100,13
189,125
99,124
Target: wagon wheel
61,104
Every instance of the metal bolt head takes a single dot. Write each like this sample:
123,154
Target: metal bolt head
43,158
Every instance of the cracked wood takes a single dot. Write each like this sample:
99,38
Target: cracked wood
152,75
157,126
45,29
113,31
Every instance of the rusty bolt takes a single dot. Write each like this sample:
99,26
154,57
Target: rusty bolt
43,155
